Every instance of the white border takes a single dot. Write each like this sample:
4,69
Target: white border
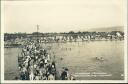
67,81
2,42
125,41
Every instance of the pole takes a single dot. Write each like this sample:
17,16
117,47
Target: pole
37,32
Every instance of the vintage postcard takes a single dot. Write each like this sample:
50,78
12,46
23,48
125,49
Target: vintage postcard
64,41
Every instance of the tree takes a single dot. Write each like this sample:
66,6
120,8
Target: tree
71,32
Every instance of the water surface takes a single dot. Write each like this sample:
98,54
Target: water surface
79,57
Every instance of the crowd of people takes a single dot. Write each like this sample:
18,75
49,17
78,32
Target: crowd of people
36,64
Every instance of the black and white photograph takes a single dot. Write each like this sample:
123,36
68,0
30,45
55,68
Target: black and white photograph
63,41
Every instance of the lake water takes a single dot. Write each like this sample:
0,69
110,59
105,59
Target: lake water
79,57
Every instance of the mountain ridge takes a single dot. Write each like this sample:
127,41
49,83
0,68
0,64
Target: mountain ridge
105,29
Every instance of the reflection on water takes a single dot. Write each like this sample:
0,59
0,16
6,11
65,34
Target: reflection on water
79,58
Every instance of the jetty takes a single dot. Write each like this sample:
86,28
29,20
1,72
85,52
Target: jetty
35,63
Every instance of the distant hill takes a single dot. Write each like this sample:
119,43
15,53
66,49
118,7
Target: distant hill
104,29
108,29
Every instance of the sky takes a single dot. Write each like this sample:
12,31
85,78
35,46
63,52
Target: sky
61,15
